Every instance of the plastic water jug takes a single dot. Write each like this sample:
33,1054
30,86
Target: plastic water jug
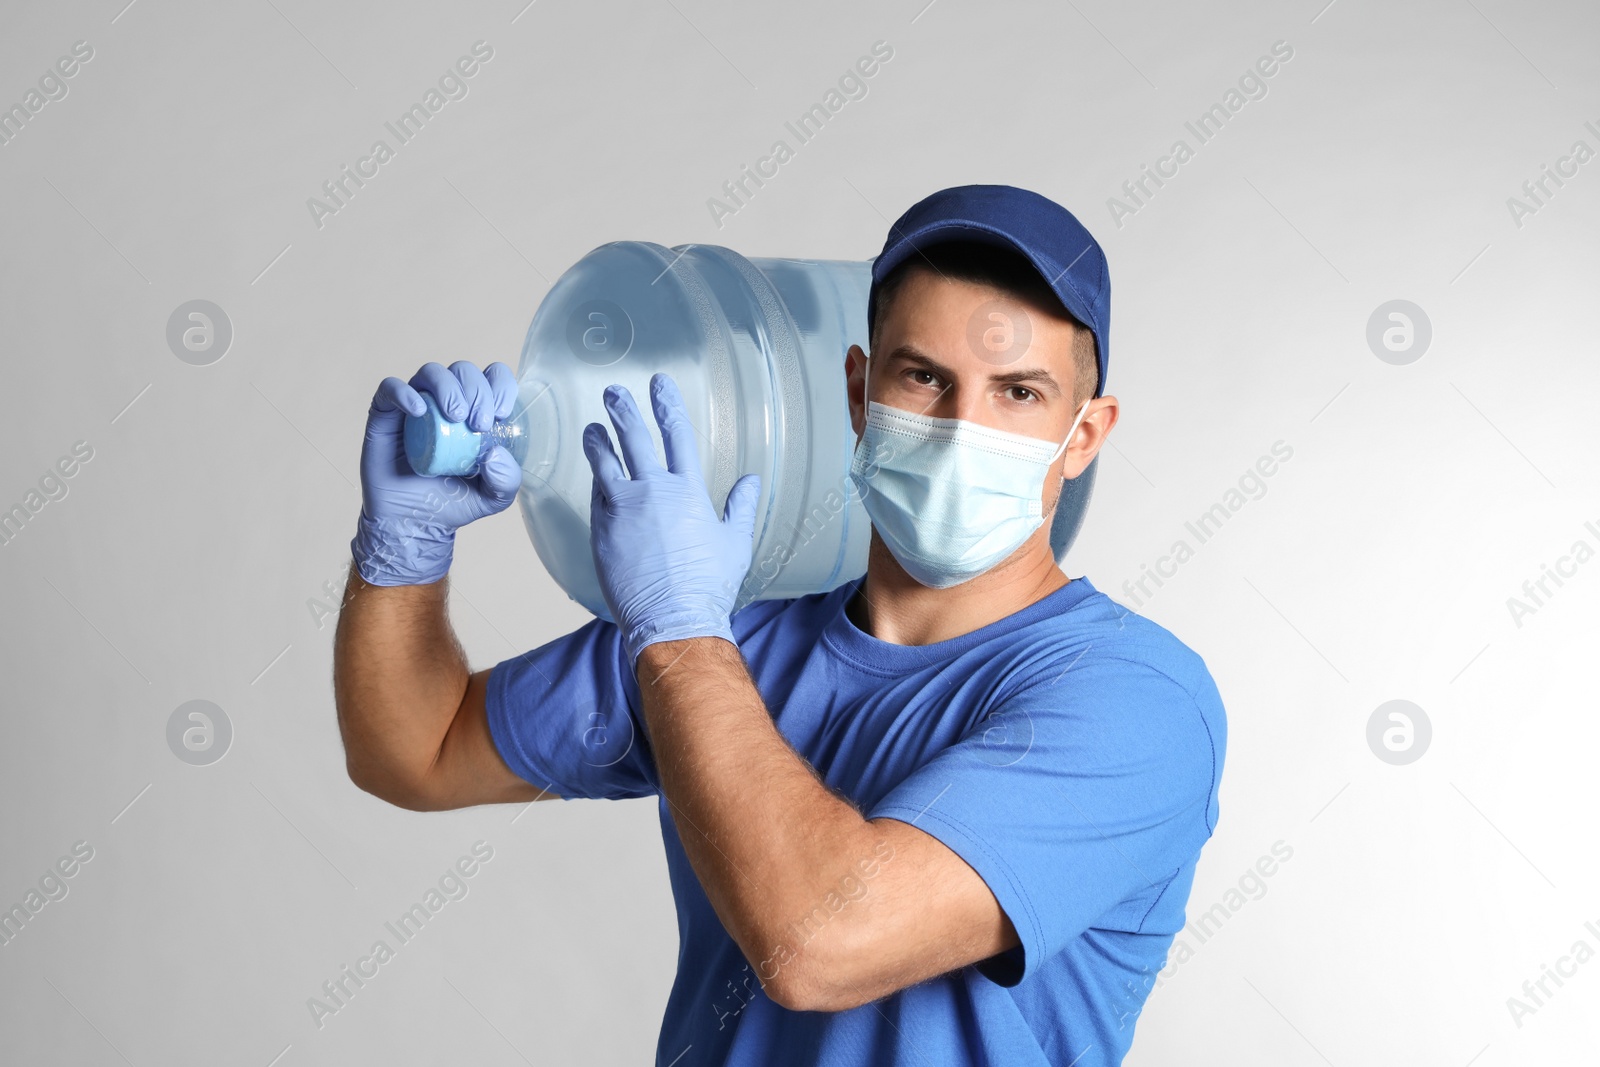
757,347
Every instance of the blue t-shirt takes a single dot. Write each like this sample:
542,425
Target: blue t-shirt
1070,753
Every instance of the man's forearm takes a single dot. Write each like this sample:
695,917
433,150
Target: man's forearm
398,677
765,836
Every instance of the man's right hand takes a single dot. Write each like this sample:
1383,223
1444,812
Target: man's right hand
406,533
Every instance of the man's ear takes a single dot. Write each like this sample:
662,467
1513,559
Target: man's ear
855,381
1092,433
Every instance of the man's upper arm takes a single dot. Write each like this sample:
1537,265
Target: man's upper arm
566,717
921,912
560,721
469,769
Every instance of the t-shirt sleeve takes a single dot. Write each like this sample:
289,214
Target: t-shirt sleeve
1070,798
567,717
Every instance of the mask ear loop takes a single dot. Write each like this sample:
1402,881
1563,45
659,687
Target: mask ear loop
1081,413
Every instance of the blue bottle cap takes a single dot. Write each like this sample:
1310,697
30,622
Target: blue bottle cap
437,447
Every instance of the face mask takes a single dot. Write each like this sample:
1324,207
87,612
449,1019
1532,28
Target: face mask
950,498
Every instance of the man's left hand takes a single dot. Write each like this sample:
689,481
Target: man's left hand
669,568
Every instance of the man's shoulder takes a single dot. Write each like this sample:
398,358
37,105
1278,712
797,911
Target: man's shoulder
1097,631
1148,686
766,618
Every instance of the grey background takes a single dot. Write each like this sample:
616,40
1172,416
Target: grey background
1376,567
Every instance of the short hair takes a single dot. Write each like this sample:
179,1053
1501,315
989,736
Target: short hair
1004,269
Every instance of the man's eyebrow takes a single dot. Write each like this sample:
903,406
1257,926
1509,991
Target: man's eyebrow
914,355
1037,375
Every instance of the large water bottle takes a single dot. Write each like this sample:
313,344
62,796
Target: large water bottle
757,347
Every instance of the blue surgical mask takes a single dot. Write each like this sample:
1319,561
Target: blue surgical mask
951,498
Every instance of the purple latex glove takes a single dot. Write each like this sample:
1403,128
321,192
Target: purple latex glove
407,529
669,567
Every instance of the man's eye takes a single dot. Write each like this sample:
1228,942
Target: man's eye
928,374
1027,393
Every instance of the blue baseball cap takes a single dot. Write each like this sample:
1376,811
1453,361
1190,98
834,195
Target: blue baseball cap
1064,253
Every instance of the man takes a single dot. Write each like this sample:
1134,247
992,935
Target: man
946,813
